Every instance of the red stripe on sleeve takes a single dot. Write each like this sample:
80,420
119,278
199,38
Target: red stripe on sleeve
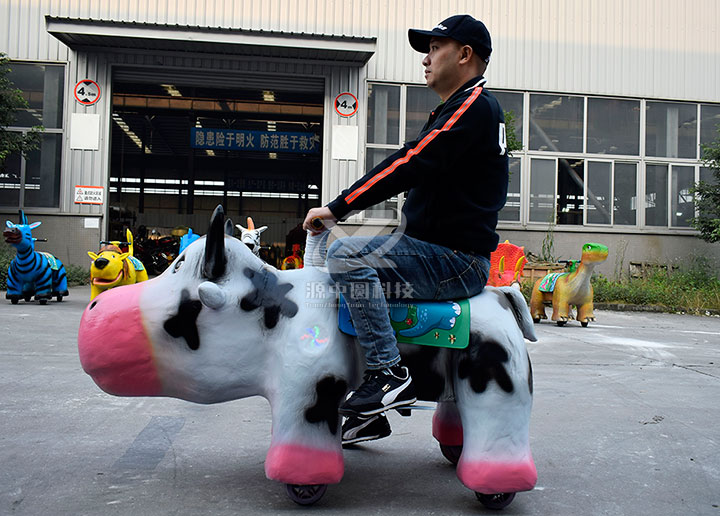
416,150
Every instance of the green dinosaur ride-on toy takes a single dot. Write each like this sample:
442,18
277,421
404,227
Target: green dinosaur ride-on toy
563,289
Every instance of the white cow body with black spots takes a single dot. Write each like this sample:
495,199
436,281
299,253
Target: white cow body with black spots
220,325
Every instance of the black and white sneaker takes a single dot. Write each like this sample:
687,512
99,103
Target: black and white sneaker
382,390
359,429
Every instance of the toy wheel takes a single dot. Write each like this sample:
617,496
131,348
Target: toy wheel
495,501
14,300
536,320
27,297
561,323
59,298
305,494
451,453
584,324
43,301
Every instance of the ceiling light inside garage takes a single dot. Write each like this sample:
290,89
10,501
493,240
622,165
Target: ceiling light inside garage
268,96
172,90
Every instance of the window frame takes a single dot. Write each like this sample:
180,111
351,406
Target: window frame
53,130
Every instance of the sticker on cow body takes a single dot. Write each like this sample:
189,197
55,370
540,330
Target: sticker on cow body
314,339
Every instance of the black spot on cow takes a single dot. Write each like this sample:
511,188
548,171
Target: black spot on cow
483,362
269,295
183,324
329,392
429,384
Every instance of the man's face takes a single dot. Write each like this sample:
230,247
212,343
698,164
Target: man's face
441,64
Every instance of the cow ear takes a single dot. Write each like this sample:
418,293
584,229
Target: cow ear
229,228
261,229
92,255
9,224
520,311
35,224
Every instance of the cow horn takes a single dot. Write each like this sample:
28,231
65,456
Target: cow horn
215,259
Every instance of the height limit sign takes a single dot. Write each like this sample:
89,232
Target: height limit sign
346,104
87,92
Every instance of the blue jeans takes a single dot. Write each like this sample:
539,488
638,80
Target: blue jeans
366,269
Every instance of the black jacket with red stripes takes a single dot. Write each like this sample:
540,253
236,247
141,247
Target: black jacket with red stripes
455,172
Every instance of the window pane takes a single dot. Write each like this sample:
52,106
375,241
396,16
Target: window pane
542,190
556,123
386,209
625,194
512,102
10,181
383,114
42,173
706,174
709,123
599,175
656,188
570,191
613,126
671,130
421,101
511,211
683,205
42,87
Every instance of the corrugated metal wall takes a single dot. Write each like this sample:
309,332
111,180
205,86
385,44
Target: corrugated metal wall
645,48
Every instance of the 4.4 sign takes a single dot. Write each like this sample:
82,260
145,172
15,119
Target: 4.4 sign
346,104
87,92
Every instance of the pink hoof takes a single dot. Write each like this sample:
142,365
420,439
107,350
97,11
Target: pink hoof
297,464
490,477
447,431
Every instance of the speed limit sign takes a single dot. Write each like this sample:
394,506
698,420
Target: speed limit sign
87,92
346,104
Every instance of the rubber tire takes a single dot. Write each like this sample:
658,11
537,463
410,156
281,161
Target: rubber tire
59,298
495,501
14,300
536,320
561,323
451,453
43,301
584,324
27,298
305,494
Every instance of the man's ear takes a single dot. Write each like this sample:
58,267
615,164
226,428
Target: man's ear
466,54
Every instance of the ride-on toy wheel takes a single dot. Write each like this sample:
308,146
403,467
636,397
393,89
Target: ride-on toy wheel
59,298
14,300
584,324
495,501
561,323
305,494
451,453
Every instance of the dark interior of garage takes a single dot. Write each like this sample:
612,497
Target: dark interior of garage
176,154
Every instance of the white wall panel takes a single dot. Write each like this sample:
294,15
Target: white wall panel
644,48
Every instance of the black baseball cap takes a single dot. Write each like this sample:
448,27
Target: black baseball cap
461,27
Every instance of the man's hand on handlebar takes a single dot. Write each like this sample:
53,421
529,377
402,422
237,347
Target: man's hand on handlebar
318,220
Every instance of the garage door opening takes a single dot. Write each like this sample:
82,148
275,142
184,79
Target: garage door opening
181,145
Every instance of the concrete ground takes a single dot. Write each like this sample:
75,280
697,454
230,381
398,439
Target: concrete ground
626,421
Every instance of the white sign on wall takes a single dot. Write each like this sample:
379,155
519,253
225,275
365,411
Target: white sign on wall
88,194
85,131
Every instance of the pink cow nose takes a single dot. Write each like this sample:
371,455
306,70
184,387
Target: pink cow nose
114,348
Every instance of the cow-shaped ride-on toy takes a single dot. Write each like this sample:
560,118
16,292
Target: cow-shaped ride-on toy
220,325
112,268
32,273
564,289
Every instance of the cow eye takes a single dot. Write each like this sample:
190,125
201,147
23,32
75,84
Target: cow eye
178,263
